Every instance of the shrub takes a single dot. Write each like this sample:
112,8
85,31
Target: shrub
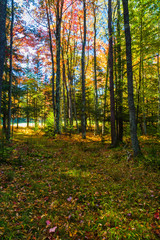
50,125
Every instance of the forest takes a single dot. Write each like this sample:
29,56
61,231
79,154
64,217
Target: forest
79,119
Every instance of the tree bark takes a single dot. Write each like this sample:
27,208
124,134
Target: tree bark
10,74
83,75
74,94
158,128
27,107
64,95
104,107
52,57
59,8
133,127
3,6
95,72
110,61
120,82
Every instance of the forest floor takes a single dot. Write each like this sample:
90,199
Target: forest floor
69,188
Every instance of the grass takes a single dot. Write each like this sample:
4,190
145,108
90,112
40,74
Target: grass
69,188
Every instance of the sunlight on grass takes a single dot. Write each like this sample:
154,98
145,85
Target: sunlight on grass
80,189
78,173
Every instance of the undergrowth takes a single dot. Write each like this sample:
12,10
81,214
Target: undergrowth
69,188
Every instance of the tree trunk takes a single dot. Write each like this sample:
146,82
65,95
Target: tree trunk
4,110
83,76
17,122
110,61
27,108
70,91
104,108
64,96
120,82
10,74
3,6
75,110
158,93
133,127
95,73
158,128
115,82
4,101
70,105
52,57
74,94
59,8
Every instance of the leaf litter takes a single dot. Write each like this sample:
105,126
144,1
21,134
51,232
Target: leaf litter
67,189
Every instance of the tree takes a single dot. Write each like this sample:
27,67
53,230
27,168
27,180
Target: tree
158,83
120,83
133,128
83,75
95,70
10,72
3,6
110,65
52,56
59,9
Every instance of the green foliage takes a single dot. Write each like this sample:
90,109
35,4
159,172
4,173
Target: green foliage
50,125
36,128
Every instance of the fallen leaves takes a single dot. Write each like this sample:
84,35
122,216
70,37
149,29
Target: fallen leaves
69,199
48,222
71,191
157,213
52,230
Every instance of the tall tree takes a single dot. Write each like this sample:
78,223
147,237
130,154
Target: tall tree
59,9
133,127
158,83
83,74
110,65
120,83
95,70
3,6
27,90
105,102
51,51
10,73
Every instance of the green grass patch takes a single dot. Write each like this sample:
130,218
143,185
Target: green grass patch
65,188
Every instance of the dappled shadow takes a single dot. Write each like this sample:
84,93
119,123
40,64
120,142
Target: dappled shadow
81,188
